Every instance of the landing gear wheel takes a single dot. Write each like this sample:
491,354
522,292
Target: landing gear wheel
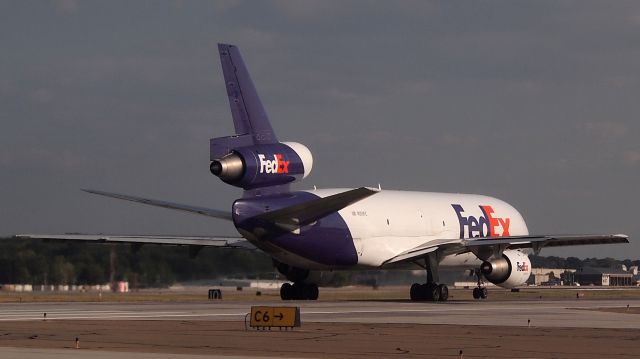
444,292
435,293
415,292
480,293
484,293
299,291
425,292
287,291
431,292
312,291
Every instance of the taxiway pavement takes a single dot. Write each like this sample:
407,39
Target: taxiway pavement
561,313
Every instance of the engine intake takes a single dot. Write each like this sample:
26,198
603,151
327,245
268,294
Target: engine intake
512,270
229,168
497,270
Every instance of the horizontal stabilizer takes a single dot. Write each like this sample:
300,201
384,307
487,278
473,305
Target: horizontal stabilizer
225,242
293,217
158,203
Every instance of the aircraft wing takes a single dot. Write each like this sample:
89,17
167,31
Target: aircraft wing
536,242
216,213
199,241
516,242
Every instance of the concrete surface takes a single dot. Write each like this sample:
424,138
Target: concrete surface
563,313
340,329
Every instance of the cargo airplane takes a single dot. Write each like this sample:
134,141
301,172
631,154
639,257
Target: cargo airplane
361,228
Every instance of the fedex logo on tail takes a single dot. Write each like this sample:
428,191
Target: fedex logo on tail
276,165
487,225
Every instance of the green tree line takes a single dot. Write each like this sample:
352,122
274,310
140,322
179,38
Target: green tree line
81,263
56,262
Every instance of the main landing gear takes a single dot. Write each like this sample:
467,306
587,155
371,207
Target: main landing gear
430,291
299,289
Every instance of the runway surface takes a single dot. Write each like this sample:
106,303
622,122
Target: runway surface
564,313
34,353
330,329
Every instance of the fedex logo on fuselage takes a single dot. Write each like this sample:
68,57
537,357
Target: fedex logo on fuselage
276,165
487,225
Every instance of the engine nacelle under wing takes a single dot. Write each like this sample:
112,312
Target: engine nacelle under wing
512,270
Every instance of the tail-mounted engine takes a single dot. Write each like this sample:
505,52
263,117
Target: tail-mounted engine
253,157
509,271
255,166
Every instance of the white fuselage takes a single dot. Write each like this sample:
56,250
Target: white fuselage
391,222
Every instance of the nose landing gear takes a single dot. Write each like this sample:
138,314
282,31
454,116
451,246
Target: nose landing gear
481,291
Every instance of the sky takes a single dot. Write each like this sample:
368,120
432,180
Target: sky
536,103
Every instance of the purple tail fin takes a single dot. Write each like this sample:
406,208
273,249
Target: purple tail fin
249,117
253,159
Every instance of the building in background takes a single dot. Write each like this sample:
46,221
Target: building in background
604,277
551,276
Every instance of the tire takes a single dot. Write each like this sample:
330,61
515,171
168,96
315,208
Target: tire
425,292
430,292
286,291
312,291
299,291
434,292
484,293
476,293
444,292
415,292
